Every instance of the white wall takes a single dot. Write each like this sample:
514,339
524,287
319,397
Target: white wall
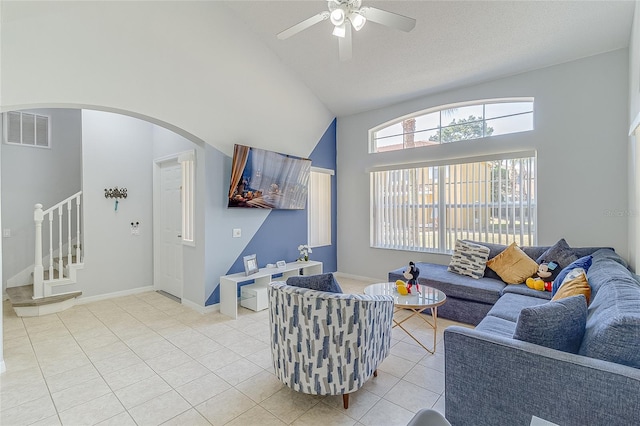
37,175
581,122
192,65
634,153
117,151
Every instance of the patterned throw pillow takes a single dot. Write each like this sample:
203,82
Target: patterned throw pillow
513,265
320,282
469,259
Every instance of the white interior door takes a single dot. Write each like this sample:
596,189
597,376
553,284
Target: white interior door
170,268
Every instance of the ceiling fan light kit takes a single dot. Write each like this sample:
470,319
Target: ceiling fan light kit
345,14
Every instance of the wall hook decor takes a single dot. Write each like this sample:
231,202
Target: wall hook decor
115,193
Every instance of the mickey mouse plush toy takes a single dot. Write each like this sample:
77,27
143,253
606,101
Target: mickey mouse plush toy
543,279
411,275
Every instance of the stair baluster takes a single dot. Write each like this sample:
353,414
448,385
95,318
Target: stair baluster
38,269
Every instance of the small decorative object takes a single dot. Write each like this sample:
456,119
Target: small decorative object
543,279
401,286
281,264
304,250
412,274
250,264
115,193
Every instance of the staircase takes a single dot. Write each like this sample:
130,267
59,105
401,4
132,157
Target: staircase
55,288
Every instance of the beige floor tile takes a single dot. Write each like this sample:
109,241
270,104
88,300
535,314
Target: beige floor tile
21,393
117,362
189,418
218,359
80,393
108,351
385,413
435,361
261,386
71,378
360,402
203,347
51,367
256,416
49,421
128,376
248,345
263,358
440,405
159,409
238,371
122,419
184,373
321,415
142,391
382,384
92,412
410,396
29,412
396,366
225,407
413,353
203,388
168,360
427,378
288,405
146,351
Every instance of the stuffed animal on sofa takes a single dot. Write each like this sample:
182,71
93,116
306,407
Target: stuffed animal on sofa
543,279
401,286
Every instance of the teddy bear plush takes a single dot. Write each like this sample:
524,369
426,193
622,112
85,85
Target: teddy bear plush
542,280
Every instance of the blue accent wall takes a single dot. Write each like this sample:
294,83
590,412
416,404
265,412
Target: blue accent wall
283,230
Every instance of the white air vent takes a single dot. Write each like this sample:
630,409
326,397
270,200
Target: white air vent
26,129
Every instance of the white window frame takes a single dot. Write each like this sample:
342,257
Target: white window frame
319,207
21,142
402,218
373,148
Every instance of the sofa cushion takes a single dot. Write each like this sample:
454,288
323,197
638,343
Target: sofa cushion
485,290
320,282
469,259
510,305
513,265
607,267
526,291
557,324
495,325
560,253
613,323
583,262
574,283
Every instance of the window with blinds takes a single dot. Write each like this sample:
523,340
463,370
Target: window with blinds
428,208
319,207
27,129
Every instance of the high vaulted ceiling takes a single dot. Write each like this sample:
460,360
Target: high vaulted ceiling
454,43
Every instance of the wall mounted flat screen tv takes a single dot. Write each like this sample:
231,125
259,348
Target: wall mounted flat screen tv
268,180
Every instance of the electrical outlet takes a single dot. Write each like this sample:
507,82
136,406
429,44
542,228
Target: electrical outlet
6,233
237,233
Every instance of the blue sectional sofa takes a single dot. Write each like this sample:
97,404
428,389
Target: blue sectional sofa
491,378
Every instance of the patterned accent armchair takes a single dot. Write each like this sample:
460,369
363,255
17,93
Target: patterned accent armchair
327,343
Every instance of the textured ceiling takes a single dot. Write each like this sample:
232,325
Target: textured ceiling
454,43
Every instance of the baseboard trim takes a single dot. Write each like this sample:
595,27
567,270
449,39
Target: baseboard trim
358,277
201,309
82,300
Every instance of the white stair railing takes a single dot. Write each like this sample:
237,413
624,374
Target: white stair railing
40,216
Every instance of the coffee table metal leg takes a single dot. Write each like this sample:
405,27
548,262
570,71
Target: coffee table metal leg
434,325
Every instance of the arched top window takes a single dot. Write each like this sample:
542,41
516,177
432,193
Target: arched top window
452,123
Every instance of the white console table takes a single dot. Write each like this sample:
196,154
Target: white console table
229,283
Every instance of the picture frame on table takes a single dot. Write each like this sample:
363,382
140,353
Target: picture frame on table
250,264
281,264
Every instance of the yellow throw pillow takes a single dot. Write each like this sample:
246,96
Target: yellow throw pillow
513,265
574,287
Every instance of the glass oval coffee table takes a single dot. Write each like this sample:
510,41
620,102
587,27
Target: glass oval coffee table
416,302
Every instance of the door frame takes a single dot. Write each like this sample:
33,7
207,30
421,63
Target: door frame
157,220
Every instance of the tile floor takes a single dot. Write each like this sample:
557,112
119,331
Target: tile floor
147,360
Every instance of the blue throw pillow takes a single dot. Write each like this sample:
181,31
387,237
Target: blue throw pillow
558,324
583,262
320,282
560,253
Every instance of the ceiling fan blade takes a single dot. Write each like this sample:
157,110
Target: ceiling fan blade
389,19
344,43
300,26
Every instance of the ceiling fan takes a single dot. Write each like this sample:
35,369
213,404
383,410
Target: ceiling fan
345,14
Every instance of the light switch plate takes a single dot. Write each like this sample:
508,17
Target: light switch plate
237,232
